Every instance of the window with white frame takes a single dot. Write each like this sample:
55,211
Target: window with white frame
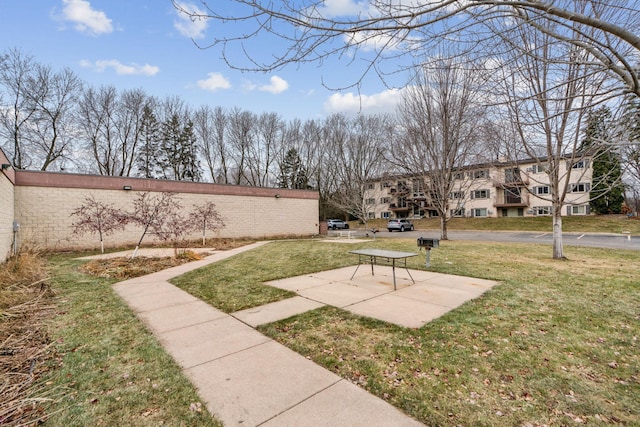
385,215
483,173
385,200
457,212
480,194
580,164
581,187
578,210
371,215
541,210
385,184
458,175
371,186
456,195
541,190
479,212
539,168
371,201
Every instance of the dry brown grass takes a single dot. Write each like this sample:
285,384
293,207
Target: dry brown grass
26,301
126,268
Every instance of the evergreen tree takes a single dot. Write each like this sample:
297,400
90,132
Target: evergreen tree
293,173
147,160
607,190
179,157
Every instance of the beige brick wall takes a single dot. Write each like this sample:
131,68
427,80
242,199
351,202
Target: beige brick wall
6,215
45,211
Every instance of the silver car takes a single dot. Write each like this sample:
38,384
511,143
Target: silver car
400,224
334,224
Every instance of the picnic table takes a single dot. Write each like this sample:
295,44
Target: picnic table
390,256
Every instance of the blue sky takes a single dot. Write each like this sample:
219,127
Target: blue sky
146,44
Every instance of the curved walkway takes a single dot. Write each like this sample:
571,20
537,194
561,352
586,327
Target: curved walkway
246,378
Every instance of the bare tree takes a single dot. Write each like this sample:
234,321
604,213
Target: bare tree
16,71
547,95
441,116
210,129
205,217
241,137
156,213
357,149
52,126
98,217
96,111
371,31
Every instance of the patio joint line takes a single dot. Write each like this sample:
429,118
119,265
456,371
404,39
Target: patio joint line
269,340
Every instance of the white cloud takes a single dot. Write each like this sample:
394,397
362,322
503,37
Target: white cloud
383,102
276,85
192,27
333,8
85,18
213,82
120,68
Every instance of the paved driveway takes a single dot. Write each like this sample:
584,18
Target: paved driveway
599,240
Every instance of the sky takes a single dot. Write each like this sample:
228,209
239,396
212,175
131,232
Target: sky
147,44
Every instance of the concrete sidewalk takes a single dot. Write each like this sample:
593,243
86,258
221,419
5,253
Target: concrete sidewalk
244,377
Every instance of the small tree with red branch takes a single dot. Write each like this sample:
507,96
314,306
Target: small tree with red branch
205,217
97,217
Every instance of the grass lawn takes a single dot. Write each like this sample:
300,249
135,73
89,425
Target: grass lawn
107,368
555,343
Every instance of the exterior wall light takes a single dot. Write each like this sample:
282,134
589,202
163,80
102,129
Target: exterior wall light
127,187
5,166
277,195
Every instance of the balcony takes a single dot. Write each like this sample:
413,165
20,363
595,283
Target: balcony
398,208
511,201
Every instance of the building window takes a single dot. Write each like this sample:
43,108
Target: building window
371,186
371,215
385,200
371,201
385,215
543,189
580,164
456,195
539,168
386,184
541,210
480,174
581,187
457,212
458,175
578,210
512,175
480,212
480,194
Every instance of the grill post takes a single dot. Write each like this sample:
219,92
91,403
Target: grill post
428,244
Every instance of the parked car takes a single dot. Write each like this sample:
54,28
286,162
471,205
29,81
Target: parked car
334,224
401,224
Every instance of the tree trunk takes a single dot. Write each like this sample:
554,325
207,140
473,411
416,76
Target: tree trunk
558,249
443,228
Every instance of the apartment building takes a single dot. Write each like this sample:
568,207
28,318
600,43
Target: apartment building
501,189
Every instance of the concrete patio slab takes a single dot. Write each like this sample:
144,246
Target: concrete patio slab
342,404
446,296
259,383
276,311
180,316
297,283
398,310
204,342
339,294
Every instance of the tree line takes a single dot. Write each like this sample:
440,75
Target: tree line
455,112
